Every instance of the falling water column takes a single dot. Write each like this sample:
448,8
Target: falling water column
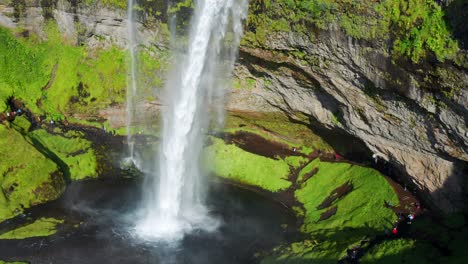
131,80
176,204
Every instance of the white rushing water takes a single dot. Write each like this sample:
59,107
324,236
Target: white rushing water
175,195
131,81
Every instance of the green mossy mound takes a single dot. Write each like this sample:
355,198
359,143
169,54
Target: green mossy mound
72,149
268,173
357,214
231,162
400,251
362,207
69,150
276,127
340,204
27,177
40,228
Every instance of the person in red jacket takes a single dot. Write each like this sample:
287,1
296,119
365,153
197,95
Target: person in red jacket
394,231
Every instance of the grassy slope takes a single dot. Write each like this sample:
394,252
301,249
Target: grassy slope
40,228
35,165
360,213
83,81
69,150
400,251
363,207
72,149
232,162
277,127
27,177
236,164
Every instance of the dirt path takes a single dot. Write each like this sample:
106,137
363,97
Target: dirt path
408,204
258,145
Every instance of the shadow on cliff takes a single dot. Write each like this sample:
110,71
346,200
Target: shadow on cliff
458,16
454,190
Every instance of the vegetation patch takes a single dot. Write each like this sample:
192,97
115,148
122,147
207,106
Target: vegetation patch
415,28
335,195
70,148
256,144
356,212
56,79
278,128
230,161
356,209
40,228
400,251
27,177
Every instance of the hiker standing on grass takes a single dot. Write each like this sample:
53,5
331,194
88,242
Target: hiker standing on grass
337,156
410,218
394,231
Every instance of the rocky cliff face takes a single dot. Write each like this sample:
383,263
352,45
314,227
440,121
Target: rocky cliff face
329,81
353,87
95,25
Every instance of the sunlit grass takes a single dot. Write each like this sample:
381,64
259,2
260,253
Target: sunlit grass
230,161
27,177
40,228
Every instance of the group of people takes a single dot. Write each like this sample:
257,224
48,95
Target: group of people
11,115
404,220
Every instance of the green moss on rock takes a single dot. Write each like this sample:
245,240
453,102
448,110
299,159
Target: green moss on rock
400,251
72,149
27,177
40,228
231,162
276,127
415,28
362,207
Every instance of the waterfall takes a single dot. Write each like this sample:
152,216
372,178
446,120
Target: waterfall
175,196
131,81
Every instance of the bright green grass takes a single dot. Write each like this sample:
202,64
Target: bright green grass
308,251
361,208
231,162
280,129
40,228
120,4
361,213
308,168
84,81
14,262
400,251
27,177
22,71
75,151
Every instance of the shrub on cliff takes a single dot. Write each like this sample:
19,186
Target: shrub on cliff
416,28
